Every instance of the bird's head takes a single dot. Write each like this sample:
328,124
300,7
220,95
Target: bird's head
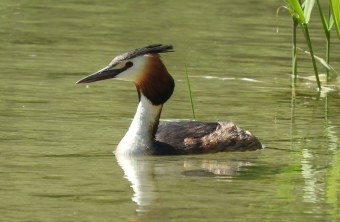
142,66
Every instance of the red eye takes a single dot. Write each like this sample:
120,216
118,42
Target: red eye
128,64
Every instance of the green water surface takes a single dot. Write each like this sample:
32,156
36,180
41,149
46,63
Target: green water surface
57,138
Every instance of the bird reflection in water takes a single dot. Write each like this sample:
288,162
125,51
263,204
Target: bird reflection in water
213,168
138,170
144,172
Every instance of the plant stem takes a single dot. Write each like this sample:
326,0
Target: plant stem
309,43
294,50
328,44
190,95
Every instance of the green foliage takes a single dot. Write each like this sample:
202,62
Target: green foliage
308,7
335,6
190,95
302,15
327,25
296,11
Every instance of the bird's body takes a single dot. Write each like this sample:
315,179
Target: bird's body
155,86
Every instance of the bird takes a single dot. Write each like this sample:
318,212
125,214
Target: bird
146,136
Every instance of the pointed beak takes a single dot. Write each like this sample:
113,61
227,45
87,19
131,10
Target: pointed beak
105,73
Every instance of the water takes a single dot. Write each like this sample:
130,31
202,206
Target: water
56,140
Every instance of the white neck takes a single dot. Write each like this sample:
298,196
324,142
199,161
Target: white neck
139,139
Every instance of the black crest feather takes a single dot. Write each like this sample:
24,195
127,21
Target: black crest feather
150,49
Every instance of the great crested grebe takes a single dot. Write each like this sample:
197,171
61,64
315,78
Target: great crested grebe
155,85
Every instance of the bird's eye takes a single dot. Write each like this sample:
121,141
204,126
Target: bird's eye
128,64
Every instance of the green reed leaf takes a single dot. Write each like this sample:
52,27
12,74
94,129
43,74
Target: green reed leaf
335,6
323,18
296,11
322,62
307,10
190,94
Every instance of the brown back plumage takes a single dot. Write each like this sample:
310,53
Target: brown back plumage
193,137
